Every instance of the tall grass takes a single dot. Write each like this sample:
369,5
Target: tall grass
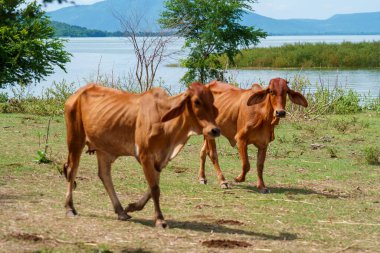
310,55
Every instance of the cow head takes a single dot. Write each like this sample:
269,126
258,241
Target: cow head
277,91
200,104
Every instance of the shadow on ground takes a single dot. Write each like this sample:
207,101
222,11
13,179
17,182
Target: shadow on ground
291,190
207,227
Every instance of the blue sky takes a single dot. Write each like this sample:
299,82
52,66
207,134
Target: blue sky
285,9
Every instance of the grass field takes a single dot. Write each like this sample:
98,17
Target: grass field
323,199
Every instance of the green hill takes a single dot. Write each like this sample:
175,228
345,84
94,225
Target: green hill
65,30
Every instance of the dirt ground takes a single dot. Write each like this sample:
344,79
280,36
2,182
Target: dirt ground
317,203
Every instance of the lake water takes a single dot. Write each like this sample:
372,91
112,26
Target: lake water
115,55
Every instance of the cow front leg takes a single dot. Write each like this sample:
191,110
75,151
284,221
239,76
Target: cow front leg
261,155
203,154
153,178
104,172
213,154
243,153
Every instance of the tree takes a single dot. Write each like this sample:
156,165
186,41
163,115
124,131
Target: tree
150,48
211,29
27,48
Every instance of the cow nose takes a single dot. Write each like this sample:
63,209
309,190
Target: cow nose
215,132
280,114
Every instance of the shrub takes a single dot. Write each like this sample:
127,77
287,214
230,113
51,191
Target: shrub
50,103
3,97
347,103
372,155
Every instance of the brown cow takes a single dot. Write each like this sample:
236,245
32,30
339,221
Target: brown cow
247,117
152,127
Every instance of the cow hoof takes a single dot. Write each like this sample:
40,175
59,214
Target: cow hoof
161,224
71,213
239,179
225,185
131,208
203,181
264,191
123,217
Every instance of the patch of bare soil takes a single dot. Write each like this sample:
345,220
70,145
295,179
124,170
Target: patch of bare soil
179,169
26,237
225,244
229,222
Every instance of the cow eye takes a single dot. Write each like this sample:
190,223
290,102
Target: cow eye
197,103
271,92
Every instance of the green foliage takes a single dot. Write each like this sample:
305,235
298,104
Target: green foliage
27,47
309,55
50,103
324,100
347,103
372,155
41,157
3,97
211,28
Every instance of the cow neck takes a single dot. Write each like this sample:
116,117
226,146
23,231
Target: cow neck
181,126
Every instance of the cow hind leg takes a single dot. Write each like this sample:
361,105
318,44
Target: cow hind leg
104,173
139,205
70,171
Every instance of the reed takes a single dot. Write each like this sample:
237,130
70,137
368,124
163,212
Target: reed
311,55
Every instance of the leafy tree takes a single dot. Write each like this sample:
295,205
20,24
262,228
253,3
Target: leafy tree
27,48
211,29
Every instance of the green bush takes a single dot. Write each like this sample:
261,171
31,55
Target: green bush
347,103
3,97
372,155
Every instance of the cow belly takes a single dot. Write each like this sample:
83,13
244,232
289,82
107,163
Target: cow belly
116,147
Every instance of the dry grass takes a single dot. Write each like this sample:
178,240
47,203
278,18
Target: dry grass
317,203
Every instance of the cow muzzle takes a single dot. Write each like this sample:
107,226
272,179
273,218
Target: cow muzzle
280,113
213,132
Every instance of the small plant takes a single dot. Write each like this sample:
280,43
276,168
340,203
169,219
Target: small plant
372,155
296,139
41,158
42,154
332,152
341,125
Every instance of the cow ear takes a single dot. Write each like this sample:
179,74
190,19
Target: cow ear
297,98
176,109
257,97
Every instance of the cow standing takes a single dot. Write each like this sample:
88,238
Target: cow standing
152,127
247,116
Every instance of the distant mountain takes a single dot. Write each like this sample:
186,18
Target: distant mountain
65,30
101,16
358,23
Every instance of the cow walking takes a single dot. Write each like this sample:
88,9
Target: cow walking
152,127
247,116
